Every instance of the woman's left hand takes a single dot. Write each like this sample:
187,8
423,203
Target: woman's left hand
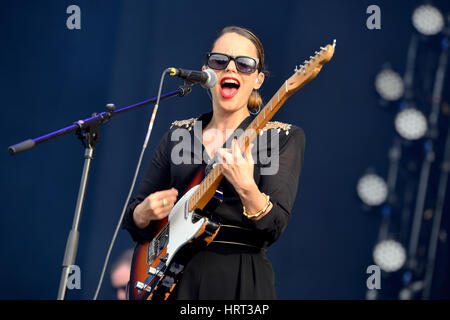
238,170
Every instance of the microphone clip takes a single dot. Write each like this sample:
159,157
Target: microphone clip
186,88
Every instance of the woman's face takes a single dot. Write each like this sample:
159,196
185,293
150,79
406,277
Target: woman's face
224,96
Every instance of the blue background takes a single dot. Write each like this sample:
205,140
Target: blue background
52,76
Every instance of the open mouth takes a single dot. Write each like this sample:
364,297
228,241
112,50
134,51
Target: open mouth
229,87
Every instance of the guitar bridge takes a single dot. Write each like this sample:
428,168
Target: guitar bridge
142,286
154,271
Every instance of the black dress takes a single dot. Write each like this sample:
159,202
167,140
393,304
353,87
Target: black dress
228,271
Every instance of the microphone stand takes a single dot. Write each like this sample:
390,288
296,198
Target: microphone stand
87,131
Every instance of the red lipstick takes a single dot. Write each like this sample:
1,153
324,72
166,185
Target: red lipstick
229,87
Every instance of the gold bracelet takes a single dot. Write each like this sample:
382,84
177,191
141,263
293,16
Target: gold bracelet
256,215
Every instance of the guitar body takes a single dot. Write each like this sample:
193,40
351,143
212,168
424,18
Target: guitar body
157,265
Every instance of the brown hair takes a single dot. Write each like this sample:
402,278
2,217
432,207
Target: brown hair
255,100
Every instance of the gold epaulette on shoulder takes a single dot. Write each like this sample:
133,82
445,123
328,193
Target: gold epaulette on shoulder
184,123
276,125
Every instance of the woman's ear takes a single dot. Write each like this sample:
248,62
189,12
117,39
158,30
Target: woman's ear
259,81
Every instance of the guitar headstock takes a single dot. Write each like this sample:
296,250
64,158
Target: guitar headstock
310,68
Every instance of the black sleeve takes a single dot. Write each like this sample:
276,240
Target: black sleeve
157,178
282,186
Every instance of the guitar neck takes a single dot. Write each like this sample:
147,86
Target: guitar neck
301,77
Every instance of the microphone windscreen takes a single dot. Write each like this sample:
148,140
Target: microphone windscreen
212,79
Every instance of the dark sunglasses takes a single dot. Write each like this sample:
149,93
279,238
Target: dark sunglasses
220,61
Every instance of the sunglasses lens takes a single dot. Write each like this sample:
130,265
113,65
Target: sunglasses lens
246,64
243,64
218,61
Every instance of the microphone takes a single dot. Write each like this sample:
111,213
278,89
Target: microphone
207,78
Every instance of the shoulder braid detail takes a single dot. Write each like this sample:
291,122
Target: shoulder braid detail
188,123
276,125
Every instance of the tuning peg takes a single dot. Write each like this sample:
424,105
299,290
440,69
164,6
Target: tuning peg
318,53
298,70
304,69
323,49
307,62
334,43
312,58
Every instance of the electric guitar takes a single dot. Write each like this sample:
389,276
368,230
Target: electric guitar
157,265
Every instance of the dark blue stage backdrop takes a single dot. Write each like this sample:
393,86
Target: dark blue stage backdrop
52,76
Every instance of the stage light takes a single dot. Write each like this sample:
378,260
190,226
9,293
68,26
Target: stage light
389,85
411,124
372,189
389,255
428,20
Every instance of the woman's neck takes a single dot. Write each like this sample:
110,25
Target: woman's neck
223,120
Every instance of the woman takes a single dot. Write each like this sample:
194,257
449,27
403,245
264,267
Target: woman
255,206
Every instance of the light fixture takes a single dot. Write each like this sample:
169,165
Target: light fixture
389,255
428,20
411,124
389,85
372,189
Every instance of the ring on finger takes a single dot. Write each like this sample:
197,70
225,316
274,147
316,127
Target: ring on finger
164,202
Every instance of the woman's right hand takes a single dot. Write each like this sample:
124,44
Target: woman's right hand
154,207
